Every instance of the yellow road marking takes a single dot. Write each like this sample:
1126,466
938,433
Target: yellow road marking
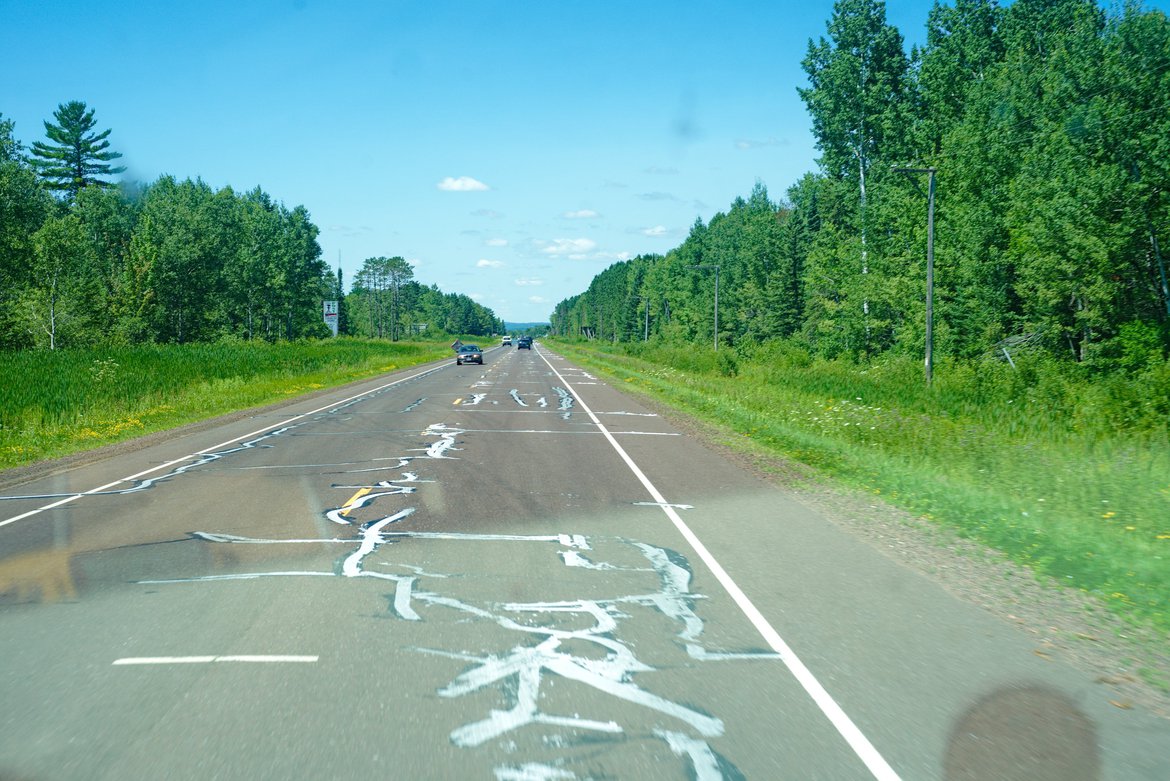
457,400
349,505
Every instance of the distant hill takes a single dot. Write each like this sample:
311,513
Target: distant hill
519,327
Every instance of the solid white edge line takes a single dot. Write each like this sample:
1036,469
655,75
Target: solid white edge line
860,744
214,448
262,659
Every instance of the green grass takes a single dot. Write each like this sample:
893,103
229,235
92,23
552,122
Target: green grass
54,403
1066,473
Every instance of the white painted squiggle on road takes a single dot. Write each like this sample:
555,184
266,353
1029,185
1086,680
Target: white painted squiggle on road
595,656
566,402
446,442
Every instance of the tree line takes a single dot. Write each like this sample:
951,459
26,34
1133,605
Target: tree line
1048,123
386,302
84,262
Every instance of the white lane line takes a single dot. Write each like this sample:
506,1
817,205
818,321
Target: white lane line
214,448
256,659
860,744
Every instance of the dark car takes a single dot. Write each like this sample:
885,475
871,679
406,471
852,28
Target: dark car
525,343
469,353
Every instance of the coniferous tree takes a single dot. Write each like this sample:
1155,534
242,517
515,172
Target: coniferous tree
77,157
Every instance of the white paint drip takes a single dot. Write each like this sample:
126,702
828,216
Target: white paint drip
573,541
371,539
240,576
566,402
475,399
252,659
515,394
402,592
361,501
446,442
533,772
542,402
402,461
611,674
236,539
632,414
703,759
574,559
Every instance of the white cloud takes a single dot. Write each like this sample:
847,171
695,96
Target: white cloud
657,230
538,299
659,196
573,248
529,282
484,263
491,214
747,143
581,214
461,184
496,242
476,296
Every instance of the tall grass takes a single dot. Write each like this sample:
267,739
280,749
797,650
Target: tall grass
1065,472
57,402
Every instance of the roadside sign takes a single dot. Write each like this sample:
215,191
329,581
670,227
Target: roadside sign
330,312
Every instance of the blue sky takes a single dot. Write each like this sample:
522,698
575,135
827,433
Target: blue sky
510,150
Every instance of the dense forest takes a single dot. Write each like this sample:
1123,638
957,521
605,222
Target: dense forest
84,262
1048,123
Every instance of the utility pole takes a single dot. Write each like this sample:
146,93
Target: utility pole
715,266
929,264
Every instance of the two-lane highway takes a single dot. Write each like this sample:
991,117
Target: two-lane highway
509,572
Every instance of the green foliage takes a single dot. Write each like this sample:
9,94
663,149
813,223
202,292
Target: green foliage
178,262
421,312
24,207
77,158
1049,125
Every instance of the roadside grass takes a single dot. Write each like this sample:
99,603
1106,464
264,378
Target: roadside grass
1066,474
55,403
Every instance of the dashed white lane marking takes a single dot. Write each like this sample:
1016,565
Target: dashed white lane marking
258,659
857,741
214,448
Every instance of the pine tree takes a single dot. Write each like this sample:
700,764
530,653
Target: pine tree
78,157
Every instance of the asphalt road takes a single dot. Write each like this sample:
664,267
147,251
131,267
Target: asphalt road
510,572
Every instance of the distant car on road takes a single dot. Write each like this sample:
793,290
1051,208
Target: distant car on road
507,341
525,343
469,353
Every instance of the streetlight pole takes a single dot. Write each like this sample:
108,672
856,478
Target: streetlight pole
715,266
929,264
